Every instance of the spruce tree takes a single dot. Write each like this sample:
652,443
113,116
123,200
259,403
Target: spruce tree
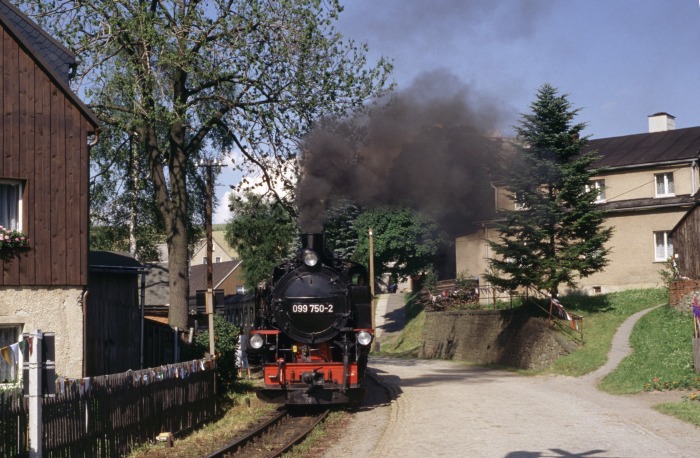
556,235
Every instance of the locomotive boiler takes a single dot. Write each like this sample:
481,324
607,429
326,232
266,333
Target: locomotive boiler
314,328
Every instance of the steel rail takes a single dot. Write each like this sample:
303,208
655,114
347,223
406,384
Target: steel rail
277,435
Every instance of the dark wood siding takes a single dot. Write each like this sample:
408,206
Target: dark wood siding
43,135
112,324
686,244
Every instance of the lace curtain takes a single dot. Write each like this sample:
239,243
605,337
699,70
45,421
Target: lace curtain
9,199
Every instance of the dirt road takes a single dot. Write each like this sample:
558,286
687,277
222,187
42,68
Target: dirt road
442,408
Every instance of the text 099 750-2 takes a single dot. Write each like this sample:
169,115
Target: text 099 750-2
312,308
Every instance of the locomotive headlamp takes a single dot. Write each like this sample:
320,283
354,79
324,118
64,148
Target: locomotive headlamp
364,338
256,341
310,258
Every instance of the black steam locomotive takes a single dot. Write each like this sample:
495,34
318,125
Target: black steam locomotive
314,328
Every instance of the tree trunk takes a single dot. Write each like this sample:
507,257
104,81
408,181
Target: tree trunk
178,271
177,234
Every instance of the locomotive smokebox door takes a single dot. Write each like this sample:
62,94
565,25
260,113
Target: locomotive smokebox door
311,305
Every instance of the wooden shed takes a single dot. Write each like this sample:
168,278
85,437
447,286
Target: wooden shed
686,244
113,318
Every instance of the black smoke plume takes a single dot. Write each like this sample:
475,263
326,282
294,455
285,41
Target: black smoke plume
434,147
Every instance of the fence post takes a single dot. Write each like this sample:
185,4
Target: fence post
35,420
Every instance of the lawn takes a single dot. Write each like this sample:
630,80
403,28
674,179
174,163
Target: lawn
662,359
603,314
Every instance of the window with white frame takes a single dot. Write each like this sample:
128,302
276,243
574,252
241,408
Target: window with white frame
518,205
9,335
598,185
663,246
11,205
664,184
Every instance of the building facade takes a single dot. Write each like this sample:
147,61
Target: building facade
648,185
44,172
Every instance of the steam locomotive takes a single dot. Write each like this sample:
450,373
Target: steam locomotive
313,328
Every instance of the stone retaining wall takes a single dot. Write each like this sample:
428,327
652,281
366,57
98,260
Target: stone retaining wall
680,294
493,337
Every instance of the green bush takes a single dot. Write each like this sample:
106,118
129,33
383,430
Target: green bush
225,341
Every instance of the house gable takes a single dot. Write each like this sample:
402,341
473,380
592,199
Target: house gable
43,135
53,58
221,250
225,275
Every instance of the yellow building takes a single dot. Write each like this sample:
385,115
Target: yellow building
650,182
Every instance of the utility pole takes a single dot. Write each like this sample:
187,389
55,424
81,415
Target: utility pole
371,261
134,164
36,434
209,295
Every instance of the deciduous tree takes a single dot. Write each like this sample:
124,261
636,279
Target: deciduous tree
190,78
406,242
262,232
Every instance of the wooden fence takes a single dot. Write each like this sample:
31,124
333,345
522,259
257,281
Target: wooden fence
13,423
107,416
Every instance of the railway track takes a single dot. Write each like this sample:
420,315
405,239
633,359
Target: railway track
274,436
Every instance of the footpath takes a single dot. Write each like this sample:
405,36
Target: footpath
389,316
444,408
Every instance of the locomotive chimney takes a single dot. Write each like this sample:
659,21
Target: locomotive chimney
313,241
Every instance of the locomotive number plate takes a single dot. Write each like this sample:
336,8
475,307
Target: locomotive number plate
312,308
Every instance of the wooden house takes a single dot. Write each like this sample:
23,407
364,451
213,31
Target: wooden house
221,250
45,133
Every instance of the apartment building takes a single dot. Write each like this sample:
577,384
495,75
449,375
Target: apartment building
649,184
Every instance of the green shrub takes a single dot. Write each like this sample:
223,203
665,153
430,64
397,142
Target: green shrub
225,341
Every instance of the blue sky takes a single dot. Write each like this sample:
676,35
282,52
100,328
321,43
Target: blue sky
619,60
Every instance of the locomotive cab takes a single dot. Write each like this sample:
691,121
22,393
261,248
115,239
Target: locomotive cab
315,328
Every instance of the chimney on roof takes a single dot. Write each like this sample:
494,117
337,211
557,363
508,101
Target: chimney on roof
661,122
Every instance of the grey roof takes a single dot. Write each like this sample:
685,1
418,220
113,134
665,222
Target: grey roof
100,260
220,271
157,284
647,148
55,59
53,53
649,203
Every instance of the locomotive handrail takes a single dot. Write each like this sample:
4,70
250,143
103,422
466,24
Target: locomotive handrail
315,298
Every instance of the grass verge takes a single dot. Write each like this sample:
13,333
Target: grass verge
603,315
662,359
687,411
407,343
212,437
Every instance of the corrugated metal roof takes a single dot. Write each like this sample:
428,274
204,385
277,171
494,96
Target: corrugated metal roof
647,148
